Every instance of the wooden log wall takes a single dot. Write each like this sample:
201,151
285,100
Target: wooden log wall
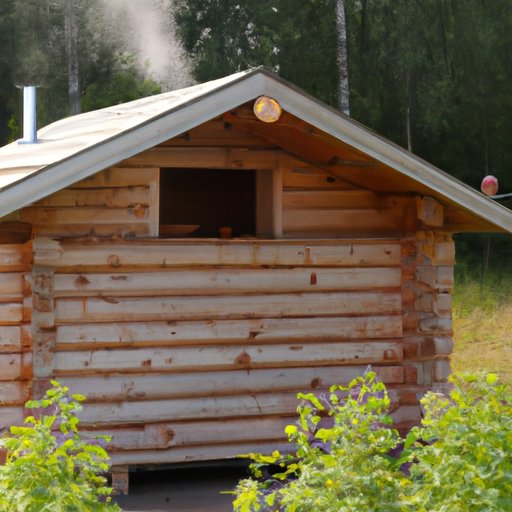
114,202
192,350
15,332
195,349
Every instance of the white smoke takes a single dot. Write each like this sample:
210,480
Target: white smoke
146,26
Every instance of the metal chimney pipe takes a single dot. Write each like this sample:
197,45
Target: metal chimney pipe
29,115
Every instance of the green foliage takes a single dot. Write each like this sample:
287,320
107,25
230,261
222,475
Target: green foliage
226,36
49,467
457,460
467,463
341,467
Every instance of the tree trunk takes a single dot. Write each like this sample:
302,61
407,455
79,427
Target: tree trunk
72,55
342,58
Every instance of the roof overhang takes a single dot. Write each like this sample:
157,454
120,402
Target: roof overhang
77,147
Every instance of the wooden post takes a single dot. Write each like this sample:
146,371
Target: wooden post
120,479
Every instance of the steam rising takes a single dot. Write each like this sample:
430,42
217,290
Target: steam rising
146,27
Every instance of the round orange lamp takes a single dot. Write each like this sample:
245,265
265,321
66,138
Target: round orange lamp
267,109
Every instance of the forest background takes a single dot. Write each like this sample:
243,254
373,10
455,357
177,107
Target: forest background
434,76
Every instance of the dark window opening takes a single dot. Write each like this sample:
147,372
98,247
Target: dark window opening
209,198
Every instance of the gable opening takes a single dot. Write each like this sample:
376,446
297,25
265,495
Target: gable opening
200,202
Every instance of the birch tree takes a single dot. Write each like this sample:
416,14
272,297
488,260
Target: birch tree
342,58
71,30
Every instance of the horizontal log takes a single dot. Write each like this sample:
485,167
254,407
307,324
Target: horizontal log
84,215
208,158
205,408
11,286
107,309
15,257
161,436
325,199
120,230
85,229
16,392
117,177
113,197
342,220
144,386
178,409
231,281
169,253
11,313
10,416
10,366
10,339
229,331
305,177
221,136
226,357
199,453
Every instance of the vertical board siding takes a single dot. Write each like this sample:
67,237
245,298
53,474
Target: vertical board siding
179,343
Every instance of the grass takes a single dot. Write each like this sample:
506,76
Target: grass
482,322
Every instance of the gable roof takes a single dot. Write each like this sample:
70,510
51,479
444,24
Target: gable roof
74,148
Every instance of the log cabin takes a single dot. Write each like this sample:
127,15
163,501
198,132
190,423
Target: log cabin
192,260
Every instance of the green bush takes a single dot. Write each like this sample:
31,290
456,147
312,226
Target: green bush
49,467
348,458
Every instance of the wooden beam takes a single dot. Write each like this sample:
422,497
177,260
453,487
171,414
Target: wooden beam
125,387
177,253
106,309
207,332
226,357
221,281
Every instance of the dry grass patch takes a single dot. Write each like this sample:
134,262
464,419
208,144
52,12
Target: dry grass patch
482,323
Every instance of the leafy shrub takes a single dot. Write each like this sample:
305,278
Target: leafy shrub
349,458
49,467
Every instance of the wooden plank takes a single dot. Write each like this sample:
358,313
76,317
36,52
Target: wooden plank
206,158
254,404
200,453
15,257
228,331
307,178
117,177
137,214
200,408
169,253
94,230
11,415
113,197
146,386
15,392
11,286
343,221
161,436
109,309
217,133
328,199
10,339
222,281
10,367
11,313
226,357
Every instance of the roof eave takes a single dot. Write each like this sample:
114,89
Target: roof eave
343,128
111,151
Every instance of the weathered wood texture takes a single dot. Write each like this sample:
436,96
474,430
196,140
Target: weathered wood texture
195,349
15,337
120,202
428,263
180,343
